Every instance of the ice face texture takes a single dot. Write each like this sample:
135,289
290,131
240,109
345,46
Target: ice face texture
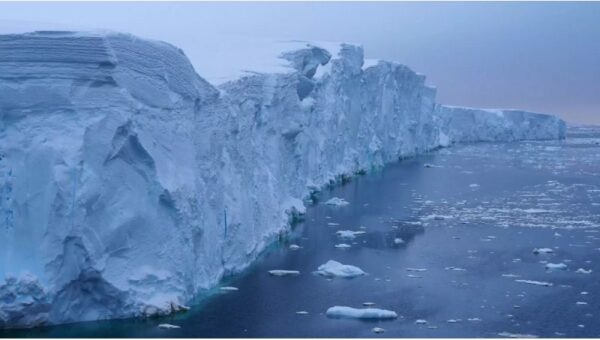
128,184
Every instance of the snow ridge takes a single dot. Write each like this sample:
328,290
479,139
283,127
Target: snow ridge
125,174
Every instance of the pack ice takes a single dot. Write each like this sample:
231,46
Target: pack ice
129,184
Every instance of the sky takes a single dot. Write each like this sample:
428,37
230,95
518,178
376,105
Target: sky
537,56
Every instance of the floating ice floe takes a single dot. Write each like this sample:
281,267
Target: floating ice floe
516,335
581,303
332,224
398,240
281,272
168,326
456,269
474,185
537,251
421,322
294,247
556,266
302,312
360,313
336,201
583,271
229,289
537,283
342,246
349,234
454,320
368,304
416,269
510,275
336,269
427,165
474,319
378,330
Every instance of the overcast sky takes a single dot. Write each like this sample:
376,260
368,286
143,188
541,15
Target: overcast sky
538,56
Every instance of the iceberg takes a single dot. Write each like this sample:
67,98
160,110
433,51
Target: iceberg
129,184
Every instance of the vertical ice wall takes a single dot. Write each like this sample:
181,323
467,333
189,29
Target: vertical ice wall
128,183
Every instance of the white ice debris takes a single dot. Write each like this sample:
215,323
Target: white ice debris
342,246
427,165
416,269
537,283
474,185
282,272
368,304
556,266
229,289
349,234
583,271
336,201
457,269
378,330
542,251
294,247
516,335
134,156
421,322
398,240
336,269
360,313
168,326
302,312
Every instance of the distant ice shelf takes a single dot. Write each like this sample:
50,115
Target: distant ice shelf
129,184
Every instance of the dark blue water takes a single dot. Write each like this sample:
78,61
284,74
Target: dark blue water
471,222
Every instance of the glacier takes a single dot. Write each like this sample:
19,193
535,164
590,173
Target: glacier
129,184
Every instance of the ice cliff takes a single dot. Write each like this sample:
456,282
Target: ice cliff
129,184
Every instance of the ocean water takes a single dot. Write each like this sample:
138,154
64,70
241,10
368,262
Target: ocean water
469,216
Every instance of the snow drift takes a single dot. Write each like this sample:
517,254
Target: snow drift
128,184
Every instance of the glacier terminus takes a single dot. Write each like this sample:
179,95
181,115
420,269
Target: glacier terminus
129,183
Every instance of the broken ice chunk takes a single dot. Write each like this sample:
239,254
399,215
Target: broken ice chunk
342,246
537,283
398,241
168,326
229,289
516,335
349,234
294,247
555,266
360,313
336,201
537,251
336,269
280,272
583,271
378,330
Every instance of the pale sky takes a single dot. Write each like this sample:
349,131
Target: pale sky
542,57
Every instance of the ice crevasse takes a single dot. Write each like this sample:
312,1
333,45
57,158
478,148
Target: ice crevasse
129,184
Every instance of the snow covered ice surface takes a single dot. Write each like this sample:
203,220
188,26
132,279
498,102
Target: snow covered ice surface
126,174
